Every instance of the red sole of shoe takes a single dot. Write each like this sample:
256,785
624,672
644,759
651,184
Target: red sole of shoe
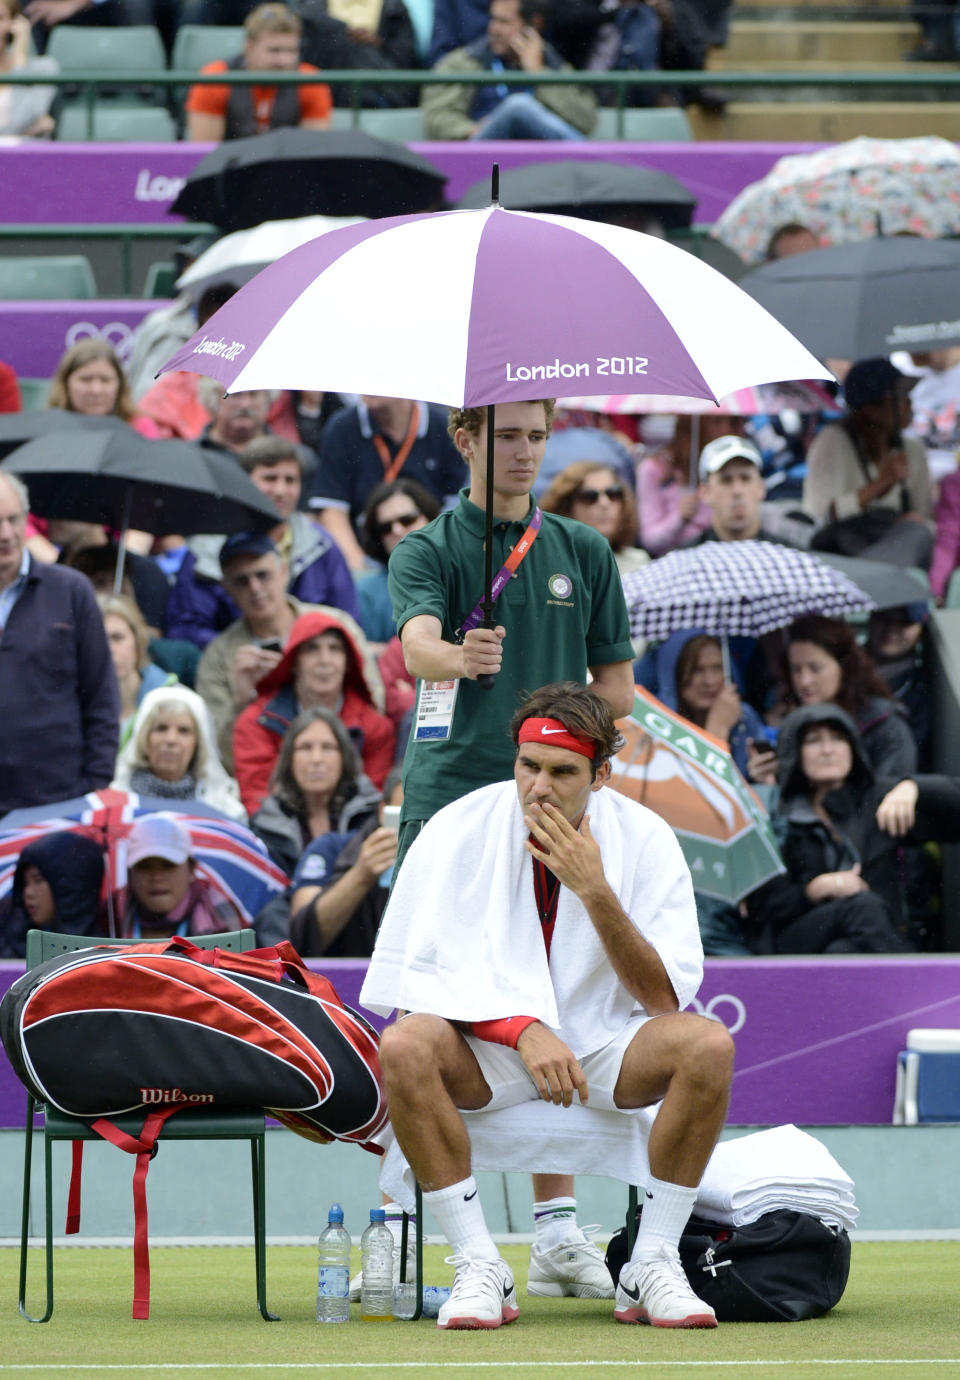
509,1315
694,1320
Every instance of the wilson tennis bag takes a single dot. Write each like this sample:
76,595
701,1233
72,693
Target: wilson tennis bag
784,1267
165,1027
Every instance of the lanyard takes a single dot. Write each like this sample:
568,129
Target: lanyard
391,468
510,565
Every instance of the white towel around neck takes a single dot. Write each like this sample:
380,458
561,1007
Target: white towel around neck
461,936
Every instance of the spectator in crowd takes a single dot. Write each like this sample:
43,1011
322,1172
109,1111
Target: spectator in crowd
671,513
590,492
129,639
394,508
59,706
732,487
379,440
946,548
320,666
692,681
172,753
164,896
46,14
24,110
895,642
340,888
272,44
455,24
222,13
514,41
9,389
843,827
824,664
56,886
791,238
318,791
935,398
236,419
85,546
626,38
200,607
867,482
89,379
255,578
377,36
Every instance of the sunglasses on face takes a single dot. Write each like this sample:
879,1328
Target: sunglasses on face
592,496
404,521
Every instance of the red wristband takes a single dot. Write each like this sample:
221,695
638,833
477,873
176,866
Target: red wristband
506,1031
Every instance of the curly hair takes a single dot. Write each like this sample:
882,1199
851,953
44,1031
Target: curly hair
87,352
564,488
859,678
371,540
471,419
581,710
282,783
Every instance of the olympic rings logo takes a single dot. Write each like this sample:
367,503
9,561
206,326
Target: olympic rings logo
711,1010
116,333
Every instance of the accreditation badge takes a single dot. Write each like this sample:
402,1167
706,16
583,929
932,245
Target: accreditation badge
436,702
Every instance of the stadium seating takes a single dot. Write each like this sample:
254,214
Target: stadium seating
668,124
45,277
197,44
113,123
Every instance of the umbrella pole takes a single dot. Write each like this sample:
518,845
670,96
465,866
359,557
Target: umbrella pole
122,549
486,682
725,653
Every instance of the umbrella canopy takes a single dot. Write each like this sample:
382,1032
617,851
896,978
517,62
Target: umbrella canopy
888,586
731,588
236,258
228,855
123,481
588,188
481,307
16,428
745,402
861,300
288,173
688,777
850,192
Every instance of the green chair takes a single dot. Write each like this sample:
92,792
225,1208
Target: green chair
403,125
201,1124
197,44
666,124
46,277
116,124
160,280
33,394
124,48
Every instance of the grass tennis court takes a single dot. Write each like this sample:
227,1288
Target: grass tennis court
901,1313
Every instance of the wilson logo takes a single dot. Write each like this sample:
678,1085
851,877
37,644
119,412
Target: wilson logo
148,1095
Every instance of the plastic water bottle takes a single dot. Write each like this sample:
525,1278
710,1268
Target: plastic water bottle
333,1270
376,1250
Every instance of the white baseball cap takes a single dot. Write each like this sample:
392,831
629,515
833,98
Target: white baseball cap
720,452
158,836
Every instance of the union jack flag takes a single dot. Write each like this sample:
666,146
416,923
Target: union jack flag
228,855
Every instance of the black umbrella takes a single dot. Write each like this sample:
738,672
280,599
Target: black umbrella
592,190
889,586
305,172
17,428
124,481
854,301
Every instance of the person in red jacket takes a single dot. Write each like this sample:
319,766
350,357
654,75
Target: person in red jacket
320,666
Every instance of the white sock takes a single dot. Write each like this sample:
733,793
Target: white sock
666,1208
393,1216
460,1217
553,1220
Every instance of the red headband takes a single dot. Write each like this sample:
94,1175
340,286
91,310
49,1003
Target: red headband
555,734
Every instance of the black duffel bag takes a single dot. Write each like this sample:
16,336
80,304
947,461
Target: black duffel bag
784,1267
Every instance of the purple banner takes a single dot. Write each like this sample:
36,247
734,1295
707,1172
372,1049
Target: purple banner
136,183
817,1039
35,334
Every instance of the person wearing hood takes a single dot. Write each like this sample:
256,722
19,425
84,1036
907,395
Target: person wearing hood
691,681
843,826
172,753
320,666
56,886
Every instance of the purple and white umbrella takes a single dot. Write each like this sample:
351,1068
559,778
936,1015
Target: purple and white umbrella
471,308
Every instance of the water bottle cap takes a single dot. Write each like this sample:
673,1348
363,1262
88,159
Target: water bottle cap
377,1215
336,1213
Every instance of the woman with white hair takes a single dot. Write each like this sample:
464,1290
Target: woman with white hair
172,753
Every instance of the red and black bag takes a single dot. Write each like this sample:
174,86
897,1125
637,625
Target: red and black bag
168,1025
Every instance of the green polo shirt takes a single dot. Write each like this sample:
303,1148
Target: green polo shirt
563,610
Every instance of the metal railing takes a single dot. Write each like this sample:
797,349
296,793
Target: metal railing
620,83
